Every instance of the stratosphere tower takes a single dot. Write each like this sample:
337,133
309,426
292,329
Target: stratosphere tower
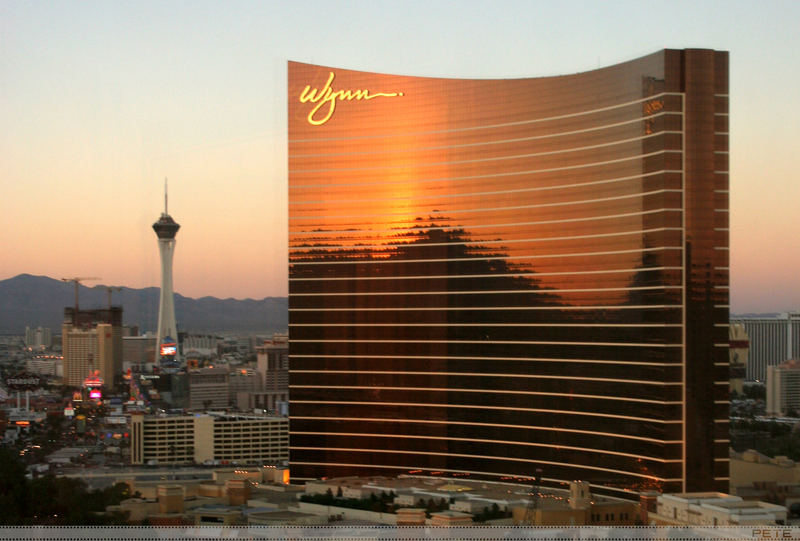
167,336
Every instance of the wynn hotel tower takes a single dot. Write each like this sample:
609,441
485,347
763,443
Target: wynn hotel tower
490,277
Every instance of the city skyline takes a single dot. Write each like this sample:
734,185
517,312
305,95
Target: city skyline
101,103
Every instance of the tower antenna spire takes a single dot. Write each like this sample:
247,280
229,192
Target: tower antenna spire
166,211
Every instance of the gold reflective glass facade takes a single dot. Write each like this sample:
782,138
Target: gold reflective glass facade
493,276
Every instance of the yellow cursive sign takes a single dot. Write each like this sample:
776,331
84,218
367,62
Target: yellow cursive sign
328,96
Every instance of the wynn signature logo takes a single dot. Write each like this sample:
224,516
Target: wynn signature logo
325,99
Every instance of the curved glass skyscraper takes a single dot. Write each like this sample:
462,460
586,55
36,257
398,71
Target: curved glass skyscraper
493,276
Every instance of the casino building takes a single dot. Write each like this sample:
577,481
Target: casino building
490,277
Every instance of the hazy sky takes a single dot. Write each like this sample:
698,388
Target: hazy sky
99,101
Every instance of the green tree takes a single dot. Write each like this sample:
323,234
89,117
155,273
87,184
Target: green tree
13,487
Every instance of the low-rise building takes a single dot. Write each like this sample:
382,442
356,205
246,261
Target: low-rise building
451,518
273,401
714,509
750,467
463,501
219,515
579,508
179,439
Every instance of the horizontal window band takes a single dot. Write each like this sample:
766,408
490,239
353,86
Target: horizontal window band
488,143
388,251
428,199
504,442
494,126
492,175
462,358
481,374
486,342
484,457
502,158
625,493
486,308
570,325
508,275
540,291
491,142
499,258
496,425
478,226
416,228
331,247
484,160
489,292
492,391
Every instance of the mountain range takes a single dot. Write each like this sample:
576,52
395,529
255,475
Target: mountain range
34,301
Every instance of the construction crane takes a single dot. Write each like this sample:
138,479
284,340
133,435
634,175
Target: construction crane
110,289
77,282
533,503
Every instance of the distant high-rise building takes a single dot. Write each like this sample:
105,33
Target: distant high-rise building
783,388
38,337
487,277
738,352
92,343
772,341
167,334
272,363
138,351
209,388
272,366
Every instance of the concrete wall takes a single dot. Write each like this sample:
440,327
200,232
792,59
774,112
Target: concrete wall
751,467
347,514
203,438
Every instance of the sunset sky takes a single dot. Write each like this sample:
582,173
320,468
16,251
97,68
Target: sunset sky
100,101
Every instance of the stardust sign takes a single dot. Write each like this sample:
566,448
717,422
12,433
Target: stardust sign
23,382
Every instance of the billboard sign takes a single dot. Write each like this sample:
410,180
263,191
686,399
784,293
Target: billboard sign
169,347
23,382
